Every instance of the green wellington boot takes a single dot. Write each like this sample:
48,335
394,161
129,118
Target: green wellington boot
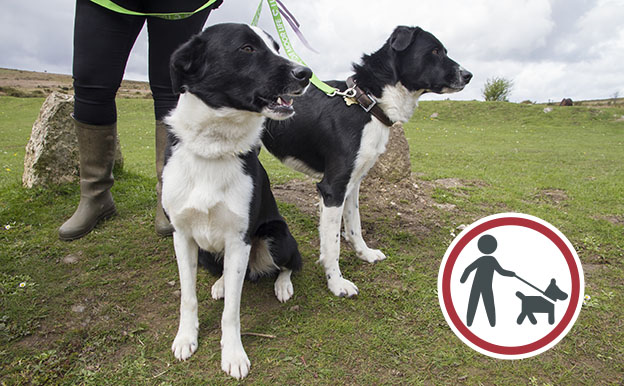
96,144
161,222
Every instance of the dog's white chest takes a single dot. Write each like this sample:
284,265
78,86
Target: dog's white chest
207,199
374,139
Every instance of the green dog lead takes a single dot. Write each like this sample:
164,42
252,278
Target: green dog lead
277,19
290,52
108,4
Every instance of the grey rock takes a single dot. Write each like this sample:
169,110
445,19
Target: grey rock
393,165
52,155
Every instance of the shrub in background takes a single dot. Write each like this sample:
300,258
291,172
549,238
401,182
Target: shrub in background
497,89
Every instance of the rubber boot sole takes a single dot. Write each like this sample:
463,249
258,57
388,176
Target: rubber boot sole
103,216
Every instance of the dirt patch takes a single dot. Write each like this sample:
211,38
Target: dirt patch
613,219
407,204
593,269
551,196
301,193
450,183
457,183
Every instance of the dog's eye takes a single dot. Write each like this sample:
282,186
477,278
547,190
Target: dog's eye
247,48
435,51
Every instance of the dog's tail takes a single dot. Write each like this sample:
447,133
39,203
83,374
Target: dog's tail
520,295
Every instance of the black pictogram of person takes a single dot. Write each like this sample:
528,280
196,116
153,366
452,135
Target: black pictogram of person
484,268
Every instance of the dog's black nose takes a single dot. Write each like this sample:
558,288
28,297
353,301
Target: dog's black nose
466,76
302,73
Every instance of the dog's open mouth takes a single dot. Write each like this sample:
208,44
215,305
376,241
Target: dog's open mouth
279,107
454,88
282,104
447,89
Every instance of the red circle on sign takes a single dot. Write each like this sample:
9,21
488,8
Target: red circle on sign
555,239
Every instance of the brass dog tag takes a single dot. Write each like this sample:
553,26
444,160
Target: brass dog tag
350,101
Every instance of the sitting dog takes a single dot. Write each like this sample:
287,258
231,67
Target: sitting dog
339,144
215,191
539,304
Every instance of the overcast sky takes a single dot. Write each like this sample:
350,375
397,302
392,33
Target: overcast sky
551,49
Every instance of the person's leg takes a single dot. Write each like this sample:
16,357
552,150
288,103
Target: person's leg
490,309
165,36
102,42
473,302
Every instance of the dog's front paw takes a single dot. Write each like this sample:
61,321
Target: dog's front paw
184,345
234,361
371,255
342,287
283,290
218,290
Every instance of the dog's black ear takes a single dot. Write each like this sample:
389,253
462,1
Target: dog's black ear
187,62
402,37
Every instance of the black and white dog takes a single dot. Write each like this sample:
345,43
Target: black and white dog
339,144
215,191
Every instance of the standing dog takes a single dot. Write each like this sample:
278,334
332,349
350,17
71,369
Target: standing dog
215,191
538,304
339,144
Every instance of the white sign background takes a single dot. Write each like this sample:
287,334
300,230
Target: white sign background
533,257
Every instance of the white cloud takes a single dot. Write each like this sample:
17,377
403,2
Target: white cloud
36,36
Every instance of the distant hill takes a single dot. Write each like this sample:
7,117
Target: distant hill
611,102
21,83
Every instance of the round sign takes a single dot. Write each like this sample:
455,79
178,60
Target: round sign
510,286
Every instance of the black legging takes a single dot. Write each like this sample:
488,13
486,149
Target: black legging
102,43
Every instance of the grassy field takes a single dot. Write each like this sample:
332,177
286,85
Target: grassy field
104,309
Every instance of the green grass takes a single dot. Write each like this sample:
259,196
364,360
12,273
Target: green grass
522,153
110,317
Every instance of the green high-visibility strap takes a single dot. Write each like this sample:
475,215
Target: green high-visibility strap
283,36
254,22
108,4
